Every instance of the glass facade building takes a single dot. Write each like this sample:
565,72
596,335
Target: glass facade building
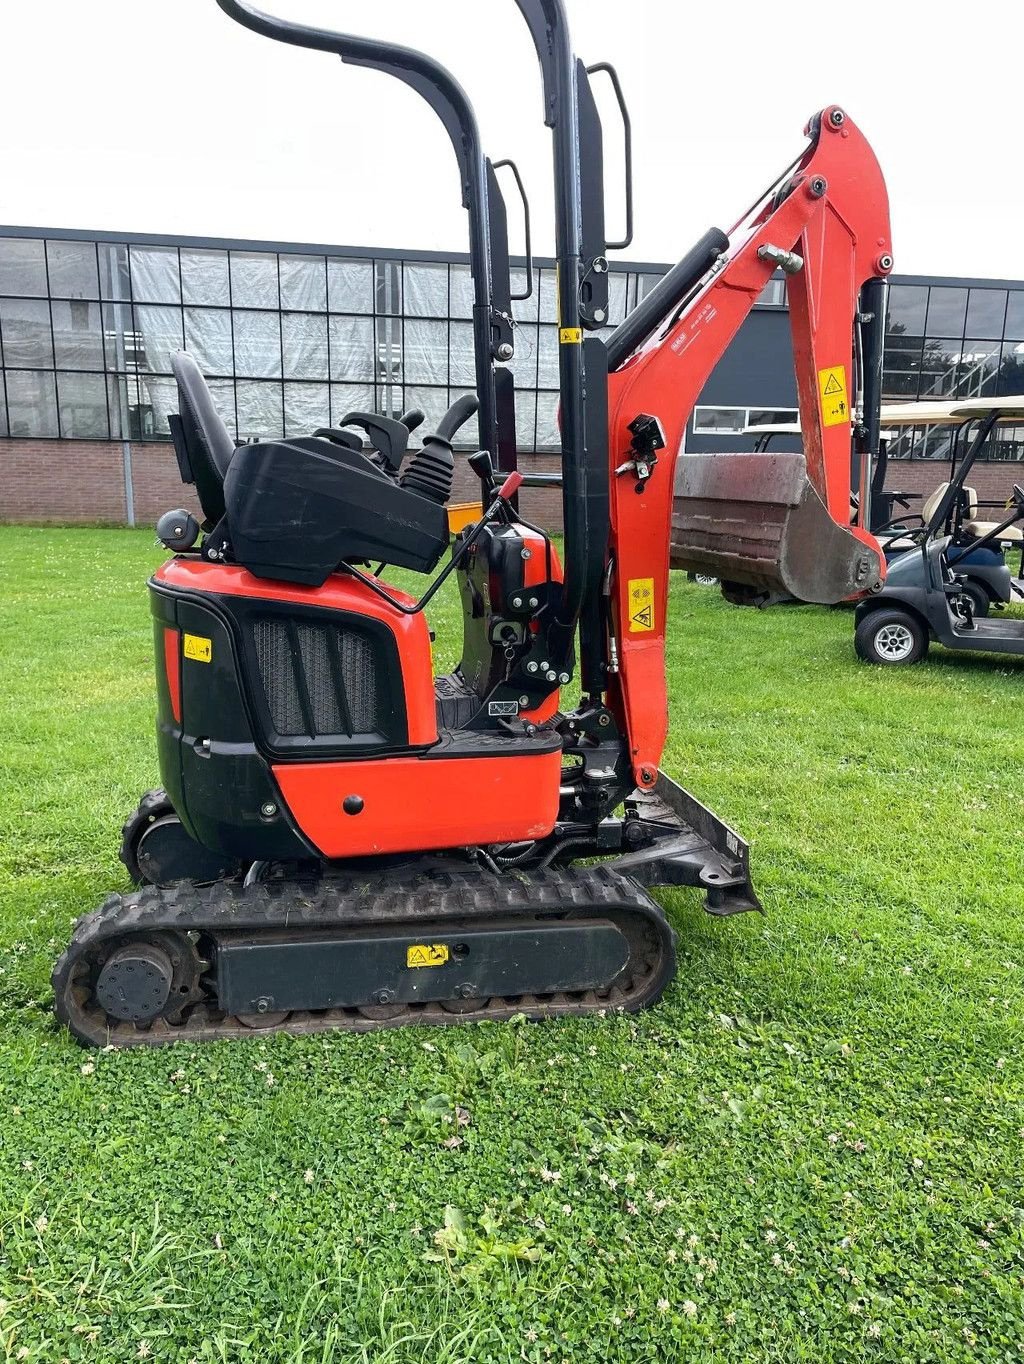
290,338
294,337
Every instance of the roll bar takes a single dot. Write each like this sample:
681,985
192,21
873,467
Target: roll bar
481,197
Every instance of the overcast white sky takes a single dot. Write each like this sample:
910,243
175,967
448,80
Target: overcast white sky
164,116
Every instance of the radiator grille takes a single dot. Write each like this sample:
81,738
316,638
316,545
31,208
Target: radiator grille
318,679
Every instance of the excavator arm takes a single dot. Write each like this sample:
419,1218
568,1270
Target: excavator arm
774,521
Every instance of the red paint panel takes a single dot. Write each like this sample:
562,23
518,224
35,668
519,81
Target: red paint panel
338,593
417,804
172,667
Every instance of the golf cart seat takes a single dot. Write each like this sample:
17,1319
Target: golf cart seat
979,529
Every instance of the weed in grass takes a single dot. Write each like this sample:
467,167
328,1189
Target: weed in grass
809,1151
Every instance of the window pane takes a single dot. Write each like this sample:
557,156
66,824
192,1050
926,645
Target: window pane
979,365
1011,370
773,294
304,283
77,335
548,437
548,297
547,357
525,309
771,416
114,280
158,399
1015,316
306,406
946,310
260,411
122,405
82,399
433,402
254,279
526,420
304,341
347,398
204,276
426,350
3,407
72,267
159,330
25,327
986,309
617,297
208,338
524,363
31,403
463,368
461,285
22,267
257,345
155,274
645,283
939,368
906,309
718,421
352,348
119,339
350,285
426,289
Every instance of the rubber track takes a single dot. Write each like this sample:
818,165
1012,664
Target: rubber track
354,902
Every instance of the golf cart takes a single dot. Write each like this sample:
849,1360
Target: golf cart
987,578
924,596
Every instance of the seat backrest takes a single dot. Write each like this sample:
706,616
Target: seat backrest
971,499
931,503
208,443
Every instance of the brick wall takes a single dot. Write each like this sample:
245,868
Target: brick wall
49,480
992,482
83,481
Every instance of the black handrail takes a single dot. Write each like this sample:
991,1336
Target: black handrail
446,97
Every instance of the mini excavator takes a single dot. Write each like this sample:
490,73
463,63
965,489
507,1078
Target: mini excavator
344,840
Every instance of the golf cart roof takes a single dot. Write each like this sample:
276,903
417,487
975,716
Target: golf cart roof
954,412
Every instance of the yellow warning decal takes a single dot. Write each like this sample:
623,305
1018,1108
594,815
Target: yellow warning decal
426,954
197,648
570,336
641,605
835,405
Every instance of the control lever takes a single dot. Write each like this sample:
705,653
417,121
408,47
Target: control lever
483,466
385,434
348,439
413,418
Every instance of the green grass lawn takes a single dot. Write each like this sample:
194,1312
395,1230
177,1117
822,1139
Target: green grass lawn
810,1150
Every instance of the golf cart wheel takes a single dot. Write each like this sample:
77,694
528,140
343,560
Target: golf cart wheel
979,598
892,637
702,579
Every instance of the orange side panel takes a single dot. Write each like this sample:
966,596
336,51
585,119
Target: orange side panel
338,593
417,804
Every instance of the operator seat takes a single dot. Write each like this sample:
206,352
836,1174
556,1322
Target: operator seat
202,442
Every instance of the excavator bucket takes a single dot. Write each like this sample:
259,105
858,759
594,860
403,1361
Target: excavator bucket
757,523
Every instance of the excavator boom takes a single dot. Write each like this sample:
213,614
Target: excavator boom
779,522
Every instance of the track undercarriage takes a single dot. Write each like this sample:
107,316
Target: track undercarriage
440,939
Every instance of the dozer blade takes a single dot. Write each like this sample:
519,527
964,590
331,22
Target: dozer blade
756,519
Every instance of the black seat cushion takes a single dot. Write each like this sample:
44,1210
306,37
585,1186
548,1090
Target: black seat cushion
207,440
